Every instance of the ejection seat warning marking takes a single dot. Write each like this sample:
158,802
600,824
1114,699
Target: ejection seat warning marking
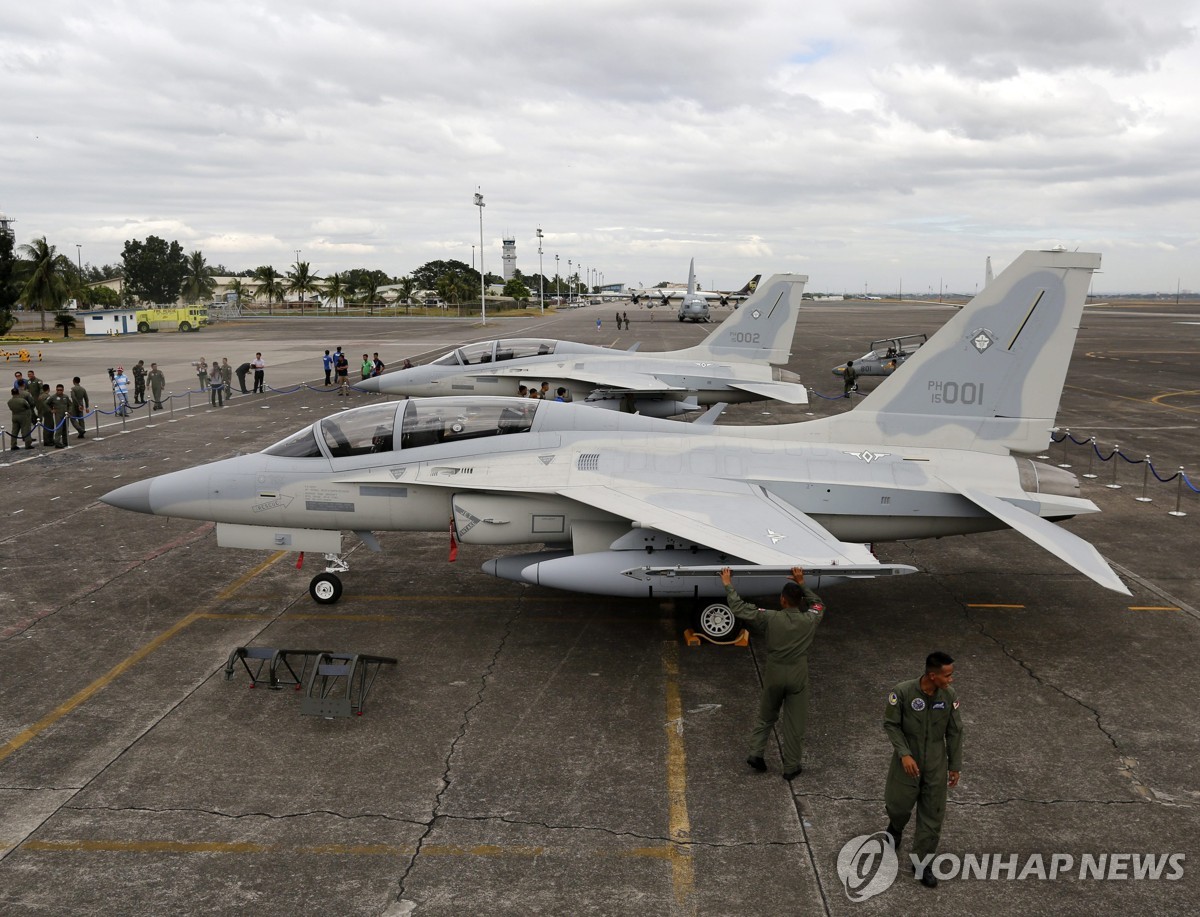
381,490
549,525
328,506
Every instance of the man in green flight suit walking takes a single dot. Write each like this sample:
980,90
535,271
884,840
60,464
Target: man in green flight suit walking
923,722
788,633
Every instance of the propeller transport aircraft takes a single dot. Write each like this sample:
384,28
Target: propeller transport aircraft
639,506
661,296
737,362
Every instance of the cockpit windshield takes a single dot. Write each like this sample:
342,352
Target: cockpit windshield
361,431
301,444
439,420
494,351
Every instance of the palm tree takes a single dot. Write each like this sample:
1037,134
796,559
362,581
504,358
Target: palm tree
269,285
66,321
198,280
240,290
335,289
407,285
368,289
301,281
46,286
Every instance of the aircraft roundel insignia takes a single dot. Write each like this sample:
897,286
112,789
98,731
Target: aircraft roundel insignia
918,704
893,699
981,339
756,314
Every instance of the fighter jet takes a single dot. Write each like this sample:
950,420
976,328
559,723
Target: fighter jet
733,364
637,506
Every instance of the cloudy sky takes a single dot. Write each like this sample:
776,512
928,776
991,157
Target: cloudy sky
887,143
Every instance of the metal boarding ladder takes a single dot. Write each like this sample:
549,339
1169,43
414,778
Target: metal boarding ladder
335,684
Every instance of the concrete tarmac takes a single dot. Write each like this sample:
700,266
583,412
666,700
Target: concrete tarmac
542,752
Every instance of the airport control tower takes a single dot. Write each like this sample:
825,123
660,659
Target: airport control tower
6,224
510,258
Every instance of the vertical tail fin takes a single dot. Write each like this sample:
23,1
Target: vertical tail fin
761,331
987,271
991,378
750,287
691,277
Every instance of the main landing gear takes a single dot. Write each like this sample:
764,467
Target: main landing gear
326,588
716,622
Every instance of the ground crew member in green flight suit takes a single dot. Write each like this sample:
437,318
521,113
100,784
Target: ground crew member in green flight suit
45,414
788,633
80,405
849,378
22,418
925,727
157,380
60,408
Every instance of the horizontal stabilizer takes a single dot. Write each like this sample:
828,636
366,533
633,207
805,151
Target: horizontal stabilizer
1058,541
788,392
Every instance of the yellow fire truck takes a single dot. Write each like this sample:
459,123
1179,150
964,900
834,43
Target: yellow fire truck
185,318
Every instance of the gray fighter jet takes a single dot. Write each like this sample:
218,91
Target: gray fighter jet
637,506
735,363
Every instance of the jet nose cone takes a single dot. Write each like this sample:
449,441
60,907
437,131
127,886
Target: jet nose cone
368,385
135,497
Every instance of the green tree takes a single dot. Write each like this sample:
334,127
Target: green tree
153,270
517,290
368,287
198,283
407,287
46,279
66,321
301,280
269,287
103,298
241,291
8,283
335,289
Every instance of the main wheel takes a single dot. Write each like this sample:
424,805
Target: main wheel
143,327
325,588
185,326
716,622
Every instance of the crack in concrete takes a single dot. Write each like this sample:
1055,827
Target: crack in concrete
984,803
436,813
272,816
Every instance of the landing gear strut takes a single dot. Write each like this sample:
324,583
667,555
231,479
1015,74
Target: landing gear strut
326,588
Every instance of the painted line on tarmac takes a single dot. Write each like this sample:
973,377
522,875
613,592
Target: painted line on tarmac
69,705
1151,587
1155,608
679,824
992,605
1154,401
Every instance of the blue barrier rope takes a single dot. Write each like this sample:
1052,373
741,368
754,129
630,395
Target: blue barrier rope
1077,442
1190,485
1159,477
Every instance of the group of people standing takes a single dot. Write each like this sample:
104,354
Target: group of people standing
33,402
337,365
921,718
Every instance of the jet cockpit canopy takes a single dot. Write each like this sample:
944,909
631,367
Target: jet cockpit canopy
494,351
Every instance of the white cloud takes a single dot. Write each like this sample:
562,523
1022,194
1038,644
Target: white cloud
854,142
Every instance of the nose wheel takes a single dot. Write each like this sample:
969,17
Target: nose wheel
325,588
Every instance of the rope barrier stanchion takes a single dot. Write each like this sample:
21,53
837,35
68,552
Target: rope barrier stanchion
1091,458
171,399
1145,480
1178,496
1113,485
1064,463
96,414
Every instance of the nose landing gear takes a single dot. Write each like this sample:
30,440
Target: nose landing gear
326,588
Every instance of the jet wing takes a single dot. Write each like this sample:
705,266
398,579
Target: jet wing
788,392
1058,541
728,516
620,381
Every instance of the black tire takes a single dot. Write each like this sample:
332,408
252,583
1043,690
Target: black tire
185,326
143,327
325,588
716,622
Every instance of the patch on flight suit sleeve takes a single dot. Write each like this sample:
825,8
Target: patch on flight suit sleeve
956,705
918,704
893,699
